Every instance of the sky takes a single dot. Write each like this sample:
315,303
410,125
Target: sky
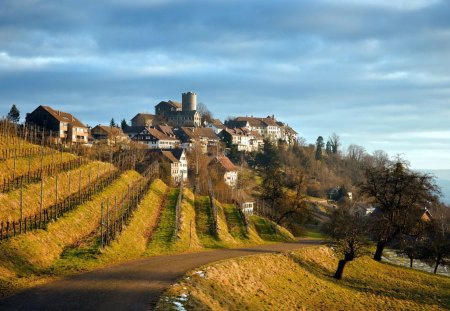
375,72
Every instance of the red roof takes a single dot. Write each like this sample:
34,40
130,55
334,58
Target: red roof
64,116
226,163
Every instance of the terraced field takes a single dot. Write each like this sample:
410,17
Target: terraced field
74,239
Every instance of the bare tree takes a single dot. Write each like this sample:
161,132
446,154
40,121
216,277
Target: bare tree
206,114
356,153
438,245
397,193
347,228
335,142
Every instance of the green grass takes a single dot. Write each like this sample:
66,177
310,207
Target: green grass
205,224
302,280
235,224
130,244
163,239
313,234
269,231
134,239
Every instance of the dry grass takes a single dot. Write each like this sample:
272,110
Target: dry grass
187,237
133,240
301,280
23,164
10,202
39,249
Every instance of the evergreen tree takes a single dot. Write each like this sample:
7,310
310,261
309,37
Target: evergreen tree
112,123
123,124
14,114
319,146
268,163
328,148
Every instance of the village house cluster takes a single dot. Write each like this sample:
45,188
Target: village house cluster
172,130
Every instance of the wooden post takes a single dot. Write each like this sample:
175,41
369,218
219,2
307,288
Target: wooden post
21,207
79,183
70,191
107,221
115,215
101,226
42,193
14,165
56,188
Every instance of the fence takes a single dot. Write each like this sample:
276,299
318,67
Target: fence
178,210
40,219
16,182
116,212
243,217
213,206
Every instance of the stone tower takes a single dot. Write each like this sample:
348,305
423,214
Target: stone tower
189,101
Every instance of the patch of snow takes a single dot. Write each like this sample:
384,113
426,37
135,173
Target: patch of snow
200,273
392,257
179,306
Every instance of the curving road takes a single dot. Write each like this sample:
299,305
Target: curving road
134,285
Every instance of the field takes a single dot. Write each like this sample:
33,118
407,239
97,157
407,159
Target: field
302,280
82,214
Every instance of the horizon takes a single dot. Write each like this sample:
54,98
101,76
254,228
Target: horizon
375,73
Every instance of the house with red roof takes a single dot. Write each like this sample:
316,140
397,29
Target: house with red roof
62,125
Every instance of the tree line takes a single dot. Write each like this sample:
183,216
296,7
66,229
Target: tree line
407,213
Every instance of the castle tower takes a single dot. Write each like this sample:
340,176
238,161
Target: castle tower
189,101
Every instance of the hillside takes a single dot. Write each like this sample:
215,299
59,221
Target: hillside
302,280
94,214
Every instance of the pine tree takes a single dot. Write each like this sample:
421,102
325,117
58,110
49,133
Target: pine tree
112,123
328,148
14,114
319,146
123,124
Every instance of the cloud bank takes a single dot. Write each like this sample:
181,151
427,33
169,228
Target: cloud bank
375,72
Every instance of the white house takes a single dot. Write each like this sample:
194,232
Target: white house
243,138
155,139
245,202
229,170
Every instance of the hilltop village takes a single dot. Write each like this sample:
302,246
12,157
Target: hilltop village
175,129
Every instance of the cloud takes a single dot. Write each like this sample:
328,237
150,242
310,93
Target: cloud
371,71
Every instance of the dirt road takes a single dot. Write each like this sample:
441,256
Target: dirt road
134,285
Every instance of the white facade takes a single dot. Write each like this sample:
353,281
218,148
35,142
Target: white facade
162,144
179,168
231,178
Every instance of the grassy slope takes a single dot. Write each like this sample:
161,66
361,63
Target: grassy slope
236,226
162,240
133,240
10,202
187,238
235,223
130,244
302,280
33,163
269,231
204,222
39,249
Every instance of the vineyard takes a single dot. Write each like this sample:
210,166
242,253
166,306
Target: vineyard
68,207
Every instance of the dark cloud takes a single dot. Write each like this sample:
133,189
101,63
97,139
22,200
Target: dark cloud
367,70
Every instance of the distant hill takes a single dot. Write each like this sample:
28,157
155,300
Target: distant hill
443,180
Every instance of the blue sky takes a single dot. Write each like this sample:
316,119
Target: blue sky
375,72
